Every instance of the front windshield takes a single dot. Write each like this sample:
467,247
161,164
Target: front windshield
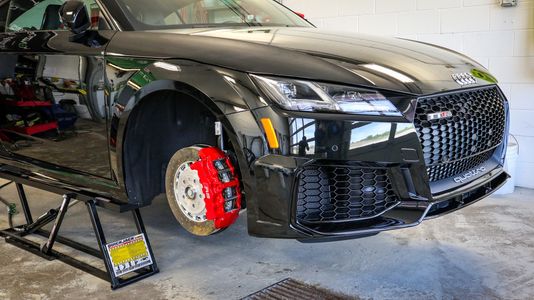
161,14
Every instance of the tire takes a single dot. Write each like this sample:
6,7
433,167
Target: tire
177,169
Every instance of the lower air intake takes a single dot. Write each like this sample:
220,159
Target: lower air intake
343,193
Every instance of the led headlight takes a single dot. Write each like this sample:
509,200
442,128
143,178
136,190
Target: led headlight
300,95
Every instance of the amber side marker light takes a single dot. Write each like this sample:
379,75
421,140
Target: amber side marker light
270,133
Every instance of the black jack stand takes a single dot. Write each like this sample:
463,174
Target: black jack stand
16,235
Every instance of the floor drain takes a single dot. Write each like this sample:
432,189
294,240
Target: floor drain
292,289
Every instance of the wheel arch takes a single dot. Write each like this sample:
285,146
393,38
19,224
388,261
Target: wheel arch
191,97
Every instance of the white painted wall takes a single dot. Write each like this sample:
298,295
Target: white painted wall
502,39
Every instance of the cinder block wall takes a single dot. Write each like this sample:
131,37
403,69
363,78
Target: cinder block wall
500,38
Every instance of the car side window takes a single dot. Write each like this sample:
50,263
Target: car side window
35,15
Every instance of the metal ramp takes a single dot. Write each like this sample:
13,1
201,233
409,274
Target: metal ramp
126,261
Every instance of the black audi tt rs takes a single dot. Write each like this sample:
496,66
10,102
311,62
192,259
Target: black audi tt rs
226,105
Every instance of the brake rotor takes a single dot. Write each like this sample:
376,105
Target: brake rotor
203,190
188,193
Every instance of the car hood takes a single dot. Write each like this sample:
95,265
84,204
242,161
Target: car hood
309,53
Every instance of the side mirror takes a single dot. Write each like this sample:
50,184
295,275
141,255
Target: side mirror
75,17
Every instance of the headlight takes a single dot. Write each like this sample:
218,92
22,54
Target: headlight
311,96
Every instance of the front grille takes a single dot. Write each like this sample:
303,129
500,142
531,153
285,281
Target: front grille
447,170
343,193
464,139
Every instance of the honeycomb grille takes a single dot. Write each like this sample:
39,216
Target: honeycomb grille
346,193
476,124
447,170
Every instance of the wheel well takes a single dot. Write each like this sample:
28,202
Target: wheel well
161,124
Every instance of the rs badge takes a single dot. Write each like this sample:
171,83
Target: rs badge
439,115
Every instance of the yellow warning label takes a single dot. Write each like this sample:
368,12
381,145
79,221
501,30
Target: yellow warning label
128,252
128,255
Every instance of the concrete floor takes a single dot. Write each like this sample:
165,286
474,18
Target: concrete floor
485,251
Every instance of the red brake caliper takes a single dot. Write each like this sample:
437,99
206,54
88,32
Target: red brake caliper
220,186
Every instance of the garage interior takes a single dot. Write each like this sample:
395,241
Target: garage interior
485,251
481,252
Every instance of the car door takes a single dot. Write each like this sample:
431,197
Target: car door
53,100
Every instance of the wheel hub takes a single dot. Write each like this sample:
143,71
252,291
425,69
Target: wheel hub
188,193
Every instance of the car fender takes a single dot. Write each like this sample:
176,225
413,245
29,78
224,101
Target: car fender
229,95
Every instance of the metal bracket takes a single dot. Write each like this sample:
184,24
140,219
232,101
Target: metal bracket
47,248
508,3
219,131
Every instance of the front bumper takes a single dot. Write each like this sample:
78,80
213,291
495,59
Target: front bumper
392,145
277,179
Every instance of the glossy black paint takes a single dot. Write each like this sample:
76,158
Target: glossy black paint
308,53
212,65
48,49
384,144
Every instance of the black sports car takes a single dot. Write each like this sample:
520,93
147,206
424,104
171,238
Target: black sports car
231,104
